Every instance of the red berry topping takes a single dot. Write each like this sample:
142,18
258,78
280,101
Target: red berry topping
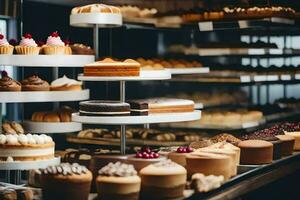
40,43
179,149
156,155
146,156
28,36
55,34
1,36
138,155
67,42
146,149
151,155
4,73
184,150
189,150
13,42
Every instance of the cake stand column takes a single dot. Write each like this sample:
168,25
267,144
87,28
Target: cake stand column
123,127
96,40
1,118
55,75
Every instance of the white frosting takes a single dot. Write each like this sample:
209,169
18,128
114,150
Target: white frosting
38,139
23,139
9,159
12,139
65,81
26,152
2,139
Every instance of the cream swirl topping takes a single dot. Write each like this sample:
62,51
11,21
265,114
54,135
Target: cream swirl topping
22,139
28,42
64,169
65,81
118,169
54,41
3,41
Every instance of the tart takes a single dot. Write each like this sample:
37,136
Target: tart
27,46
64,84
81,49
8,84
54,45
35,83
5,47
66,181
118,181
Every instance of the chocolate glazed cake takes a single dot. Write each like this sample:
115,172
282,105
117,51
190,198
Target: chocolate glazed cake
103,108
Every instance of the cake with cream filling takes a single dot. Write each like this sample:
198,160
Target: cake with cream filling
118,181
163,180
26,147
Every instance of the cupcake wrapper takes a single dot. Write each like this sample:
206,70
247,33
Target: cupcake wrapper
68,50
6,50
54,50
27,50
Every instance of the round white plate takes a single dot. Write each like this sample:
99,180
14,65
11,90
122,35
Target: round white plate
149,119
104,20
28,165
52,127
198,70
46,60
44,96
144,76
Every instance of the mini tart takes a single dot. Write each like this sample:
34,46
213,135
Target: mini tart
26,50
35,83
9,84
66,181
64,83
8,49
163,180
54,50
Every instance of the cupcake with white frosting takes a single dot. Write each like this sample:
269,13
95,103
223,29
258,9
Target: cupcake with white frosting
5,47
64,83
54,45
27,46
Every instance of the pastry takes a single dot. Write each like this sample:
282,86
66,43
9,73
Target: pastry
24,194
209,164
5,47
27,46
8,194
103,108
54,45
179,156
160,105
64,84
256,152
60,115
201,183
136,12
109,67
26,147
287,146
17,127
96,8
118,181
8,129
8,84
68,49
81,49
163,180
34,83
66,181
38,116
225,137
51,117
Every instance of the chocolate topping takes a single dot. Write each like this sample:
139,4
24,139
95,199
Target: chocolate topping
118,169
64,169
7,82
34,80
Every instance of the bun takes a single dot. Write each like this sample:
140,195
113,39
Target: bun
51,117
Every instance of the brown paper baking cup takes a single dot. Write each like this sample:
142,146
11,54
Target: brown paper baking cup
27,50
54,50
6,50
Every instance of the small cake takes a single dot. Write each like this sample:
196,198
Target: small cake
8,194
5,47
64,84
12,128
109,67
160,105
209,164
201,183
61,115
27,46
294,131
229,146
256,152
8,84
118,181
179,156
81,49
163,180
96,8
103,108
34,83
54,45
66,181
144,158
287,146
26,147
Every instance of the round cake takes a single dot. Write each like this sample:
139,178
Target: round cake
104,108
256,152
66,181
296,136
163,180
179,156
141,162
118,181
288,142
25,147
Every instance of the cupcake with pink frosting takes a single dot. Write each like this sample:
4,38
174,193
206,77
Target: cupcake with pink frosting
5,47
54,45
27,46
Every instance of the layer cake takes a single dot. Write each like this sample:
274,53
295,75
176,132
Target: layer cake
103,108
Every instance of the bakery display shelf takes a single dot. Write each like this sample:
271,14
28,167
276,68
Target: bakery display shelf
196,70
44,96
129,142
46,60
246,24
252,179
144,75
28,165
102,20
148,119
52,127
281,116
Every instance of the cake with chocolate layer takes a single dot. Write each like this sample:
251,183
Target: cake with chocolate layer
66,181
160,105
25,147
118,181
256,152
103,108
111,68
163,180
35,83
8,84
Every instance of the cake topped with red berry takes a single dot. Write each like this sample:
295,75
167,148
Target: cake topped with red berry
55,46
55,40
179,156
5,47
27,46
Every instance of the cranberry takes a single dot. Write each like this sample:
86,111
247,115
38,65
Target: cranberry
1,36
55,34
145,153
138,155
4,73
146,149
146,156
183,150
40,43
189,149
13,42
27,36
151,156
156,155
67,42
179,149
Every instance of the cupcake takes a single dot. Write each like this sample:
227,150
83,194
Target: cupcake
54,45
65,83
35,83
27,46
9,84
66,181
5,47
68,49
118,181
